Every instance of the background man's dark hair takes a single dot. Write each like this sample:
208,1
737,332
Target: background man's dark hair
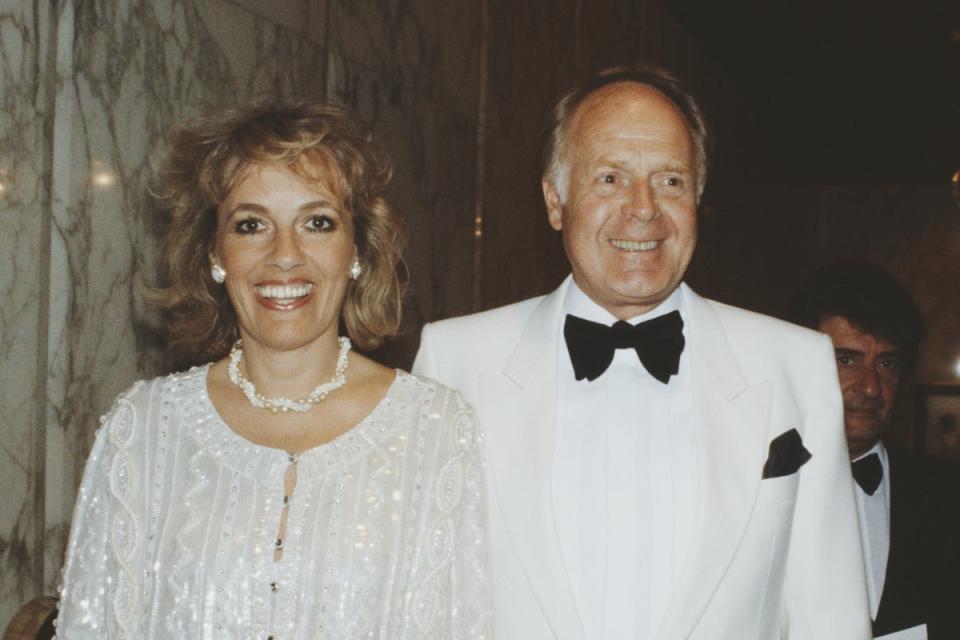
869,297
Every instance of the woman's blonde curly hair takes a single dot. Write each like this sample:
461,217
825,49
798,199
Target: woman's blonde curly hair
319,141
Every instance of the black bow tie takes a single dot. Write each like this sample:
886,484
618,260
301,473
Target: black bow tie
658,343
868,472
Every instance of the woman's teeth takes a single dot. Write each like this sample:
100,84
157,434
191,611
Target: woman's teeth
283,293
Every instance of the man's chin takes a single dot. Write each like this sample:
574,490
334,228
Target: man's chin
863,431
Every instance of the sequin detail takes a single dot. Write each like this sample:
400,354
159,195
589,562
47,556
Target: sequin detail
176,525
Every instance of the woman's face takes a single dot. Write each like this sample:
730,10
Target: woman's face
287,246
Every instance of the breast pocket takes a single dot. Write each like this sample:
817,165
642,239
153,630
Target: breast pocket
778,491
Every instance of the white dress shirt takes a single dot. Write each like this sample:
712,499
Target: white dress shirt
625,483
874,514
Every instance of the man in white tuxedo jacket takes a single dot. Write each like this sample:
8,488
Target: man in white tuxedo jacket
660,465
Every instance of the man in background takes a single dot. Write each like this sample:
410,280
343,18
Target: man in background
907,503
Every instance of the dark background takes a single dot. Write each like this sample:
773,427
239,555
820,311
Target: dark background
836,138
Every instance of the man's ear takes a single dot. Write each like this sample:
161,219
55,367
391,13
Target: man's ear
554,205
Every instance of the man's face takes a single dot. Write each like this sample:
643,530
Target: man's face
629,218
869,370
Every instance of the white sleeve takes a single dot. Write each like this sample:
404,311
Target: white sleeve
454,569
101,590
825,591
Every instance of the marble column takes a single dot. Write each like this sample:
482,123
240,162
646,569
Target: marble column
24,265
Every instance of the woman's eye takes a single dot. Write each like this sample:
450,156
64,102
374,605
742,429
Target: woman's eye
609,178
321,223
248,225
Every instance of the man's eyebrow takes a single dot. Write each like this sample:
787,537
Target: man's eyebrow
612,163
846,351
675,167
667,166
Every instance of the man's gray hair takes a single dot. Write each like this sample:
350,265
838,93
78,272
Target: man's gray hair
554,151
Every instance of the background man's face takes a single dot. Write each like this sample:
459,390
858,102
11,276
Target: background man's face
629,220
869,370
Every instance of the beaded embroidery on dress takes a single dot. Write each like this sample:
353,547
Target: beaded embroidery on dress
174,530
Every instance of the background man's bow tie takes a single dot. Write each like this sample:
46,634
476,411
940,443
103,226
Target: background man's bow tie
868,472
658,343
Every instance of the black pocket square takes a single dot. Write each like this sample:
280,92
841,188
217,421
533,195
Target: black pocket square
786,455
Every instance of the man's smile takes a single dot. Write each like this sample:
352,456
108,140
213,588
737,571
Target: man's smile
635,245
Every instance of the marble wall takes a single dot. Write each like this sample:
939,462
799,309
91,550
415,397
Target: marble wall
89,89
24,201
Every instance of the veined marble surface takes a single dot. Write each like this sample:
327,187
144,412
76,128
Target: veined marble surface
23,256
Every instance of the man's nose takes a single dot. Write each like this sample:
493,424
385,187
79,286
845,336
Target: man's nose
868,382
286,251
640,203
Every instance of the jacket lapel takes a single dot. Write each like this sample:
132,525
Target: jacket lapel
731,442
520,415
898,607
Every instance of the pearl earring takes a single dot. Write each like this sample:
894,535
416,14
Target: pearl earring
218,274
355,269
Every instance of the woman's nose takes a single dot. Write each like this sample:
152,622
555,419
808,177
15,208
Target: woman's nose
286,252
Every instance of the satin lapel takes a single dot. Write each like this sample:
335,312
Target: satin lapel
899,585
519,416
731,443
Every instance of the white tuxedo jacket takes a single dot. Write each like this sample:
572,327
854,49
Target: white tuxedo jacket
770,558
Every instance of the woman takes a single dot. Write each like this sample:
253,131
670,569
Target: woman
292,488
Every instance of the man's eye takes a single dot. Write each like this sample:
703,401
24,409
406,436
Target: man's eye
248,225
321,223
609,178
893,365
673,182
844,360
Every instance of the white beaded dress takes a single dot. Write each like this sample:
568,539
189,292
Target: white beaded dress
177,519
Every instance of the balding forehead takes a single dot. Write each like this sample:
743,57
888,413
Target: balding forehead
646,103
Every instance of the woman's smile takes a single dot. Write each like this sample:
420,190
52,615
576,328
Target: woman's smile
284,296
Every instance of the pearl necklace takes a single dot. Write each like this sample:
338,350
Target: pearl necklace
281,404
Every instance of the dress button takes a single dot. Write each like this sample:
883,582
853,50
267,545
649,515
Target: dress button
273,587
